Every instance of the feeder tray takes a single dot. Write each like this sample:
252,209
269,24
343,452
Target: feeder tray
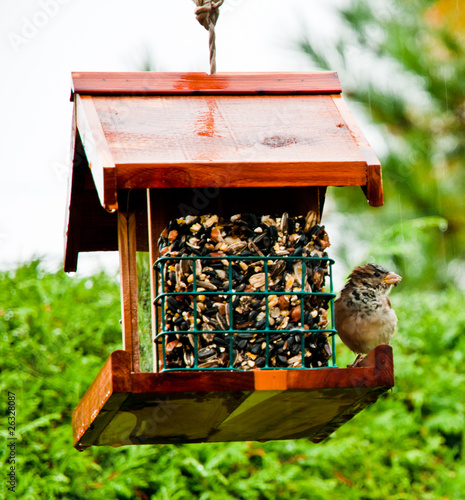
152,147
122,407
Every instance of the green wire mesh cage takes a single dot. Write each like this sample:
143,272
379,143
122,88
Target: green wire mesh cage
244,312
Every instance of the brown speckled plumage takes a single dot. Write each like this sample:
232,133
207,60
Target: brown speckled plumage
364,317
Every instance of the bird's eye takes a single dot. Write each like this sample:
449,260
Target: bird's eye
377,274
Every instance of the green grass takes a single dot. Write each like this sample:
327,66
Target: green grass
56,332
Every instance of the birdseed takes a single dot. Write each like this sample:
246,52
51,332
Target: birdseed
244,300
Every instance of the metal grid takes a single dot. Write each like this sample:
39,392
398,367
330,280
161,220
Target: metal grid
231,294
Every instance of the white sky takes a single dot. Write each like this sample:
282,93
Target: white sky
43,41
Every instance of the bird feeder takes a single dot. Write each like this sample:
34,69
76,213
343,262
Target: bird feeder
152,147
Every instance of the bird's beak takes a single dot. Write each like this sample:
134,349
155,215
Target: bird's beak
392,279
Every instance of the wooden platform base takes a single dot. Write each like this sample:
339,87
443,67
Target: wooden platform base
124,408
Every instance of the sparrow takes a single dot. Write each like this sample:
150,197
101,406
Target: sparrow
363,314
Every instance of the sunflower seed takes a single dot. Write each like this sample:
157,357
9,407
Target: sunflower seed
257,280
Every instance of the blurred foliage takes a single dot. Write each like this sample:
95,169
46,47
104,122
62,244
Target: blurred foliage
56,332
144,311
402,64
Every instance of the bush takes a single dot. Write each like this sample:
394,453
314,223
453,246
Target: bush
57,331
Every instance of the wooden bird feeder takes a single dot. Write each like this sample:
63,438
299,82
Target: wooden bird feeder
151,147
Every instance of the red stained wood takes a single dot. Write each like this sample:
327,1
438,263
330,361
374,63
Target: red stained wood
75,196
229,406
103,398
98,154
129,291
152,83
227,129
269,137
157,215
261,143
229,141
89,228
233,175
373,188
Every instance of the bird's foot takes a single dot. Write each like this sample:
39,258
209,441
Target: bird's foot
357,361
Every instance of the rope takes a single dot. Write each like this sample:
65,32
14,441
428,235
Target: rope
207,13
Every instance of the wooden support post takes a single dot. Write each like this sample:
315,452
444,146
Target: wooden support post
129,292
153,285
157,220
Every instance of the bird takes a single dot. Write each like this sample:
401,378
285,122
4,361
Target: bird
363,314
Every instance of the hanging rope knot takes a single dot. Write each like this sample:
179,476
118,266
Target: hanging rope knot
207,13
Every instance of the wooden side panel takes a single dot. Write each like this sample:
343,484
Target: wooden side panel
102,400
152,83
90,228
75,196
98,154
194,381
129,291
374,185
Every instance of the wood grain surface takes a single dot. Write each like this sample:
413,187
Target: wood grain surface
228,405
97,151
374,186
229,141
129,290
154,83
233,129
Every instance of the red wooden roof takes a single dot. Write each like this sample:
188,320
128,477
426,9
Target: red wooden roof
151,83
193,130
